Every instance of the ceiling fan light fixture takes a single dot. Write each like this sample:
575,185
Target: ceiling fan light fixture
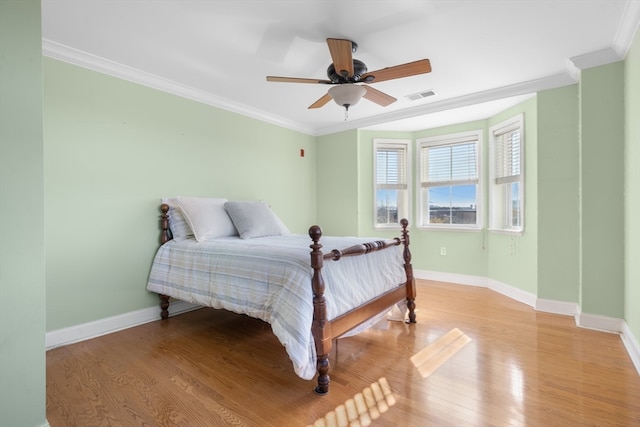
347,95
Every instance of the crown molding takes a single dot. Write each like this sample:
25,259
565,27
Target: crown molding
628,28
621,44
82,59
92,62
595,59
524,88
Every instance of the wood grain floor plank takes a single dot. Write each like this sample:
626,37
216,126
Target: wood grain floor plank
214,368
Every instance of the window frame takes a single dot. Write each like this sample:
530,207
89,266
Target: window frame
452,139
498,203
392,143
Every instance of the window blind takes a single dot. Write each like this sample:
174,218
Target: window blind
452,164
391,168
507,156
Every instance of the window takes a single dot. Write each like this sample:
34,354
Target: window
391,192
449,180
506,188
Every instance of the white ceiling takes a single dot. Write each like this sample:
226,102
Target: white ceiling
485,54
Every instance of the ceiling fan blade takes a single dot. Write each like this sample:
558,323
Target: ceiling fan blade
422,66
378,97
296,80
321,102
341,54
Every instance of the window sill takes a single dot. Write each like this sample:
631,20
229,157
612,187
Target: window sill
450,228
515,232
389,227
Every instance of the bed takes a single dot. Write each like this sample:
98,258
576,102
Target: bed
239,256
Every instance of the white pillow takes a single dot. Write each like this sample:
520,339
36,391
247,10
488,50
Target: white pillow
207,217
255,219
177,223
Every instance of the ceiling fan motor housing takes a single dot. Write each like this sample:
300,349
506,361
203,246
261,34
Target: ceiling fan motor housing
359,68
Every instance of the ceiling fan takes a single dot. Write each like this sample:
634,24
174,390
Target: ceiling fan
345,74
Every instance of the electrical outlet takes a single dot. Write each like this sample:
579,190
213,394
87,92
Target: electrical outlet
443,250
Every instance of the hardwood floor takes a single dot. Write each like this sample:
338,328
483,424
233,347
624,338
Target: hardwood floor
517,367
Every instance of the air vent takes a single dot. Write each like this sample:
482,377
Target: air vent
420,95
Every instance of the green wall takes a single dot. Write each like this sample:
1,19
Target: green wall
558,195
113,149
513,258
632,188
22,262
602,190
337,188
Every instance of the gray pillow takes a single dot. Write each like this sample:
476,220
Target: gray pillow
255,219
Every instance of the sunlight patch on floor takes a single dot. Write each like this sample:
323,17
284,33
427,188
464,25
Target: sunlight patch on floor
362,409
430,358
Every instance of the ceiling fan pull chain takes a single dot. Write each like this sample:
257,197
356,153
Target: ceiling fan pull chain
346,112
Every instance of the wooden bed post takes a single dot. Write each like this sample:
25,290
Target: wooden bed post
408,268
165,236
320,328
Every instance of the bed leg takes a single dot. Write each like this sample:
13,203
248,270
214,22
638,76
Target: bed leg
164,306
323,375
411,305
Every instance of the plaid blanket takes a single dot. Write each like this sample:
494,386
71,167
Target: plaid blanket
270,278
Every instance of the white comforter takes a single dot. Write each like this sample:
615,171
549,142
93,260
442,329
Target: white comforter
270,278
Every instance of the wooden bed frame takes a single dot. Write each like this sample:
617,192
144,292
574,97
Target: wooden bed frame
323,329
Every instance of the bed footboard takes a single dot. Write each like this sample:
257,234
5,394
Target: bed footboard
323,330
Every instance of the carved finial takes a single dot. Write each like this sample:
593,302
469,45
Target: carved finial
404,223
315,232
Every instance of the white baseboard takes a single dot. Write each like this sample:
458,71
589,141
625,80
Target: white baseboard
108,325
600,323
512,292
614,325
632,345
558,307
459,279
483,282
